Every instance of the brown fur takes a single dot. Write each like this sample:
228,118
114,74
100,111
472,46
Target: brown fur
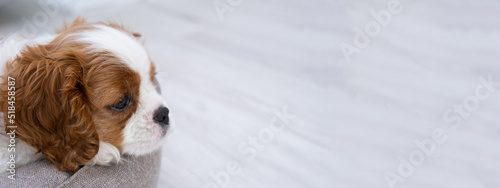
63,98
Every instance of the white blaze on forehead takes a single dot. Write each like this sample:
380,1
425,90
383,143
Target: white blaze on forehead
123,45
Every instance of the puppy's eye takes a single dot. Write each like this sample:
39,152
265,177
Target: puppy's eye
122,104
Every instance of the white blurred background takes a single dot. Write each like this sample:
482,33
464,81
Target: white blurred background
415,106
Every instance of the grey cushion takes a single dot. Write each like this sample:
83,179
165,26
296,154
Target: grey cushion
130,172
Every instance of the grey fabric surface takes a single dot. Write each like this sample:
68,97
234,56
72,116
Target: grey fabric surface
41,173
130,172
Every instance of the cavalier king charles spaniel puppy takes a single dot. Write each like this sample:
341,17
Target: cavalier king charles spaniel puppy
81,97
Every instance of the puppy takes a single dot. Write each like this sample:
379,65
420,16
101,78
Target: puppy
81,97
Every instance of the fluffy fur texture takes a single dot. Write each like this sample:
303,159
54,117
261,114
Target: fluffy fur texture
69,92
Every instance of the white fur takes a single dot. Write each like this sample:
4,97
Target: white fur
141,135
108,154
24,153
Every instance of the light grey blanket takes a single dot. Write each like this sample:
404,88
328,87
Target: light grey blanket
130,172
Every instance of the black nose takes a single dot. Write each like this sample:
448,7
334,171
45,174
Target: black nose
161,116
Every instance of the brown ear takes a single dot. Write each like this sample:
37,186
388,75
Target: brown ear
52,109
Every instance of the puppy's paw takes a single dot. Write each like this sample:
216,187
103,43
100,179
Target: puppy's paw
108,154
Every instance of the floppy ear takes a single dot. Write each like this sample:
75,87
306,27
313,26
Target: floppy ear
52,109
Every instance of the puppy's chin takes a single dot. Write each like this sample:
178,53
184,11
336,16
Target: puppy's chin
144,138
144,148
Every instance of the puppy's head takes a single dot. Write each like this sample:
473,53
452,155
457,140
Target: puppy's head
93,85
